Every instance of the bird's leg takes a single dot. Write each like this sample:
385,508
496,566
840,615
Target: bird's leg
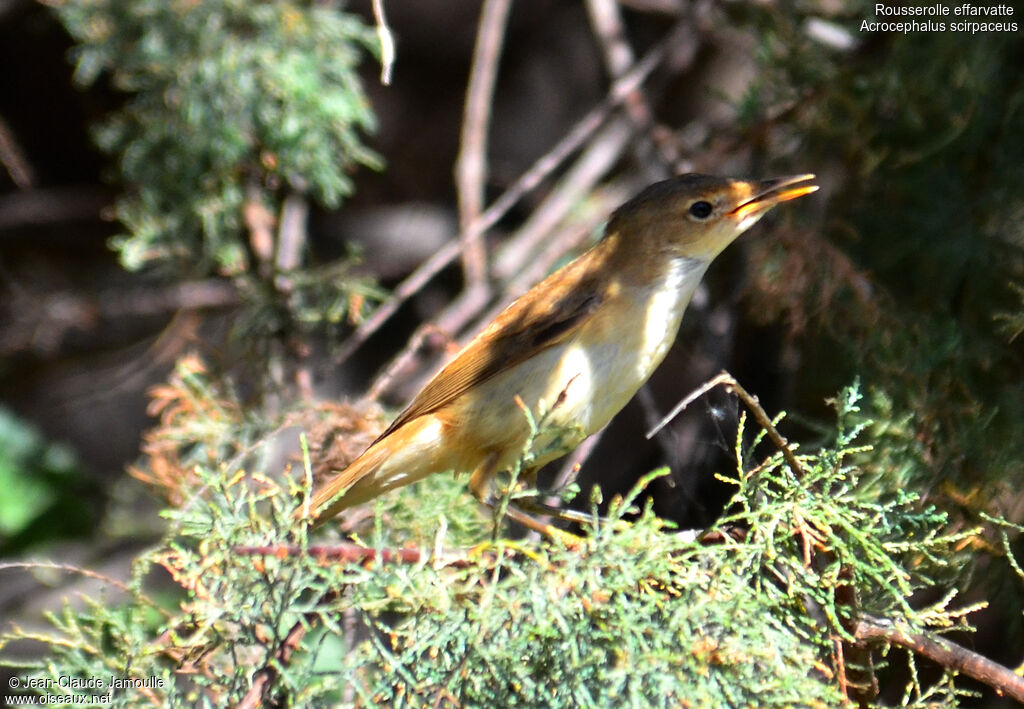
480,480
480,485
535,504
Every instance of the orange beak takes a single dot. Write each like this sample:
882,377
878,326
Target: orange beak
771,192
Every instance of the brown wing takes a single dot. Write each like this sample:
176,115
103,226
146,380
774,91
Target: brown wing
544,316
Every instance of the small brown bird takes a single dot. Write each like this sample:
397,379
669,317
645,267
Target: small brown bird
574,349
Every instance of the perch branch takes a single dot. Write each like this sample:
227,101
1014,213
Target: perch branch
471,165
944,652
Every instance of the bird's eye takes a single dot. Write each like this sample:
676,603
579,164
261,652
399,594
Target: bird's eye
701,210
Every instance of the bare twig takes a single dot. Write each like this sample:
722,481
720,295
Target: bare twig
13,158
944,652
526,182
80,571
51,205
730,384
38,322
451,320
471,165
606,20
260,222
387,43
266,676
292,232
337,552
403,359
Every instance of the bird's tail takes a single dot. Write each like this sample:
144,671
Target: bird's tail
402,457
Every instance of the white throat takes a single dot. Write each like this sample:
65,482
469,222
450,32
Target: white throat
666,303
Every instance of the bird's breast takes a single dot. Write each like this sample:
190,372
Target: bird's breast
576,386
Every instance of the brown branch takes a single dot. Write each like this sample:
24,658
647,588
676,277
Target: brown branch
267,675
260,223
730,384
543,167
471,165
13,158
52,205
335,552
387,43
345,552
945,653
292,233
610,31
38,322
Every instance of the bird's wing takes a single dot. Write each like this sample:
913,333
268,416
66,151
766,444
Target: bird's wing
541,318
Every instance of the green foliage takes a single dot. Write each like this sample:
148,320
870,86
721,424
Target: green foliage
41,498
638,615
232,105
913,283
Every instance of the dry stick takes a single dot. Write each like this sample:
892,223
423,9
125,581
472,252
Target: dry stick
944,652
292,232
13,158
402,361
573,462
42,206
559,244
730,384
387,43
526,182
292,237
346,552
471,165
606,20
267,675
333,552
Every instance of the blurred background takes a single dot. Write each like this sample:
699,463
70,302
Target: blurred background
220,224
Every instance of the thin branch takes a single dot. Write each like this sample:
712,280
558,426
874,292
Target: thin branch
471,165
345,552
610,31
292,232
543,167
573,462
387,43
13,158
404,359
730,384
944,652
337,552
51,205
260,223
267,675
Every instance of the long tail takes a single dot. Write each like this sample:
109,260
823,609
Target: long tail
402,457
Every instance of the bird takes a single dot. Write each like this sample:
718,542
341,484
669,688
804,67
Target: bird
573,350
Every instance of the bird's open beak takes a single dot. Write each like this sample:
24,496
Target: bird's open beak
765,195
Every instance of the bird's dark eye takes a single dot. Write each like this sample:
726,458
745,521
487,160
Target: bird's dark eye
701,210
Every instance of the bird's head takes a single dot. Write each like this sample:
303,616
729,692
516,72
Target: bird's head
697,216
